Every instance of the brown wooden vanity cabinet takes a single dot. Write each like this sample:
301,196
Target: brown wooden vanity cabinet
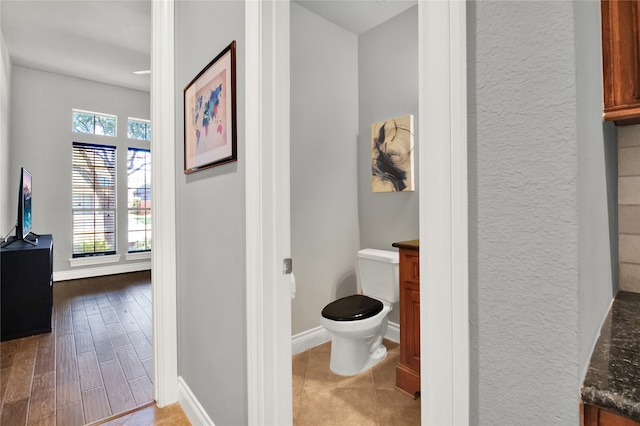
408,370
596,416
621,60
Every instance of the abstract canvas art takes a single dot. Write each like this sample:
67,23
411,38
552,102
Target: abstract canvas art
392,155
210,114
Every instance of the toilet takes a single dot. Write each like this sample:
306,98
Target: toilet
358,323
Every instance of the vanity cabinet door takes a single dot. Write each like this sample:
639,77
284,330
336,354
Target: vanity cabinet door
408,370
621,61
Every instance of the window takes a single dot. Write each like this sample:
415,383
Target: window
139,129
94,199
94,123
139,199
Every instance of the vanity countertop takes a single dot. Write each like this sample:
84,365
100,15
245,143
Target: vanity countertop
411,244
613,378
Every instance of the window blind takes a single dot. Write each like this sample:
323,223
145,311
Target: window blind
94,199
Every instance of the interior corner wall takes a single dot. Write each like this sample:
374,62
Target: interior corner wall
210,226
324,193
7,218
388,88
597,184
523,213
41,141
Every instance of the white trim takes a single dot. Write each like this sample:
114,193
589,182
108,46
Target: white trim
122,268
163,193
191,406
94,260
138,256
269,393
319,335
393,332
309,339
444,322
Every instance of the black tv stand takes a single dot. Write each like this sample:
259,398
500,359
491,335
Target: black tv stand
26,290
10,240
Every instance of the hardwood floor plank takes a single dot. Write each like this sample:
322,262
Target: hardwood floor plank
96,404
101,340
141,318
142,300
142,390
46,354
117,335
148,367
102,301
67,380
5,373
14,413
19,385
141,345
126,319
109,315
77,303
91,306
130,363
62,315
118,392
43,393
82,332
45,421
70,415
89,371
7,354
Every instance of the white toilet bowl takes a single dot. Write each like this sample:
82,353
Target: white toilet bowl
358,323
357,345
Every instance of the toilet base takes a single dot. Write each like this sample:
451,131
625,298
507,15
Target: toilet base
357,360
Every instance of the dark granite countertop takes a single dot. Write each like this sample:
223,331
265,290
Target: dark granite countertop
411,244
613,378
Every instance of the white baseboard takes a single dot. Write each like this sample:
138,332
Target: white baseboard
393,332
317,336
309,339
191,406
123,268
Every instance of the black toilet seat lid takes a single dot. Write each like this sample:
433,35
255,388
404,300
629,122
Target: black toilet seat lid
352,308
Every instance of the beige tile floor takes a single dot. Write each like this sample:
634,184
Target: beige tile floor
370,398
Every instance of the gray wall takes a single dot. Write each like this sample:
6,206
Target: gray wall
324,193
388,88
41,141
597,183
540,207
7,218
210,209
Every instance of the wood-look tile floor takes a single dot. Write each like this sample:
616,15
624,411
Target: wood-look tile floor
369,398
95,363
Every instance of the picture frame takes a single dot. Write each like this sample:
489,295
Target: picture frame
210,123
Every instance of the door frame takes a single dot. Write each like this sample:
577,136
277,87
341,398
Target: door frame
444,201
163,193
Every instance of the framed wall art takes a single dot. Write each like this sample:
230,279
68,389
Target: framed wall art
210,114
392,155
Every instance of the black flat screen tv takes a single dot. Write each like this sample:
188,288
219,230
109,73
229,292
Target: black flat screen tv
23,226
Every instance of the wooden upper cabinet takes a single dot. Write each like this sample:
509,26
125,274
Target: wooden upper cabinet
621,60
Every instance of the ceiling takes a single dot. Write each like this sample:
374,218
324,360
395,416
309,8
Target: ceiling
107,41
104,41
357,16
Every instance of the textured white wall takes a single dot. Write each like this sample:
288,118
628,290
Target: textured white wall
324,193
523,216
597,183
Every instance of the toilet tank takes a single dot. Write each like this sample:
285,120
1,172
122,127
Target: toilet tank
379,274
